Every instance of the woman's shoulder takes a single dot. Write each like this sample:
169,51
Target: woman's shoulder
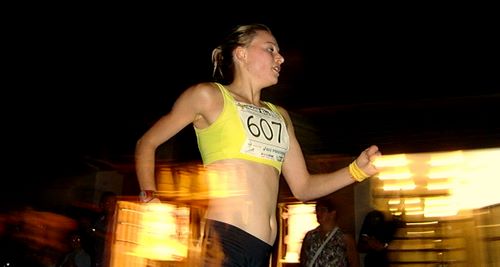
203,98
203,91
206,88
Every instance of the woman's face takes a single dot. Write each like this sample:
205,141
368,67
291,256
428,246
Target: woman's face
323,215
262,58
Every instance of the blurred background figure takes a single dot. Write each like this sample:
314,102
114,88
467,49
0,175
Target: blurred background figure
102,228
76,256
374,238
34,238
327,245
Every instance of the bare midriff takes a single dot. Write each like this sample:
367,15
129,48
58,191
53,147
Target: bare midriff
244,194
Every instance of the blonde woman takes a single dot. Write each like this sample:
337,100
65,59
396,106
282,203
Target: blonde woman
252,141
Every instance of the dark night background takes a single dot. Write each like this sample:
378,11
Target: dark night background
87,81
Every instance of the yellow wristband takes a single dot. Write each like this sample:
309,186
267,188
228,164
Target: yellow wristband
357,173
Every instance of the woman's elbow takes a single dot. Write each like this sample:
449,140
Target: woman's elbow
299,188
143,145
301,195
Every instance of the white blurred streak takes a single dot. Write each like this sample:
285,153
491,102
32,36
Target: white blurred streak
301,218
162,235
396,174
479,180
391,161
145,233
466,179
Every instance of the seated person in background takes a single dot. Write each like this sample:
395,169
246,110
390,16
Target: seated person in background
76,256
102,229
327,245
374,238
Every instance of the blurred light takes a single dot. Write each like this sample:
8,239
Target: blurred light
301,218
421,232
406,185
446,158
391,161
395,174
414,200
394,201
161,236
421,223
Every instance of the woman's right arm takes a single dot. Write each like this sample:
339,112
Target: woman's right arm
194,105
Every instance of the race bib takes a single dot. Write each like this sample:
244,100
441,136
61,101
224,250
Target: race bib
266,134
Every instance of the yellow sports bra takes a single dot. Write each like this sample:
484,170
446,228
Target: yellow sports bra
244,131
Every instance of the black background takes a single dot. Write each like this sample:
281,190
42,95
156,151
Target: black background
87,81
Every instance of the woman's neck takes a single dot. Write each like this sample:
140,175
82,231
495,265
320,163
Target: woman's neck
327,228
245,93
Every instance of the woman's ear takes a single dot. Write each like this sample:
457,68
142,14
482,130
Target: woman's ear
240,53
